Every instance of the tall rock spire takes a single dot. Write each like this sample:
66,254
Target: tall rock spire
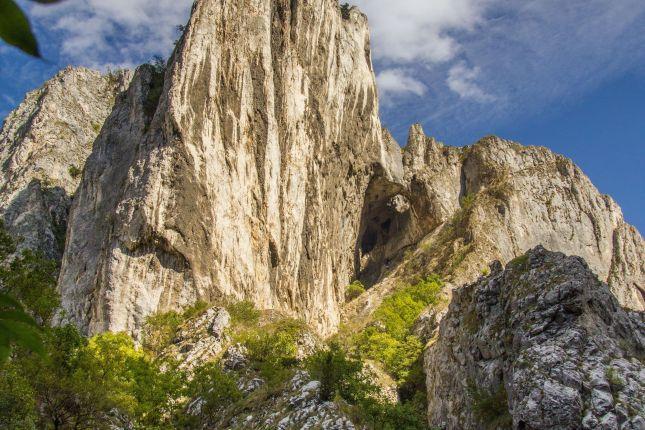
241,173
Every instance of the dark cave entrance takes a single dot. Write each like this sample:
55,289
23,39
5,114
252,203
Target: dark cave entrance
384,219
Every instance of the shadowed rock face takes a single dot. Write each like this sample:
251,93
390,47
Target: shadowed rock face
43,146
540,345
242,172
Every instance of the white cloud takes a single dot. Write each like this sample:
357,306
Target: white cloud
125,32
462,80
528,56
397,82
419,30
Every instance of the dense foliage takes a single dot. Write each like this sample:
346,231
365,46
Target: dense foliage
354,290
389,340
56,378
345,379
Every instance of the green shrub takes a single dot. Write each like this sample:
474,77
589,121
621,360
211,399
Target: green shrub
491,409
339,375
243,313
616,383
195,310
159,330
354,290
272,348
467,201
216,388
521,262
389,340
74,171
343,377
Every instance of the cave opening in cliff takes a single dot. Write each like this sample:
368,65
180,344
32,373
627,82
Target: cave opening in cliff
384,218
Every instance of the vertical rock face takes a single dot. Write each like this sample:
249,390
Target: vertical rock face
43,146
540,345
242,172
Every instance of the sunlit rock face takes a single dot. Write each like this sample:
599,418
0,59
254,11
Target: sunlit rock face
542,344
241,172
255,166
43,146
494,200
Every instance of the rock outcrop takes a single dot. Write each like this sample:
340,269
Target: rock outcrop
43,147
240,172
494,200
542,344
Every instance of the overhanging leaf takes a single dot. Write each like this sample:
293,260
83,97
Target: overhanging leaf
23,335
19,316
15,28
9,302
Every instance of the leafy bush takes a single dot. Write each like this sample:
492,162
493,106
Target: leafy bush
161,328
343,377
243,313
616,383
214,387
339,375
272,348
354,290
74,171
388,340
467,201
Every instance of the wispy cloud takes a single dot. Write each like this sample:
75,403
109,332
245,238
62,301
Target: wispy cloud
487,62
393,83
419,30
115,32
462,80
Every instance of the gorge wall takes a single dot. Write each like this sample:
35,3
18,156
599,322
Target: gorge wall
255,166
240,172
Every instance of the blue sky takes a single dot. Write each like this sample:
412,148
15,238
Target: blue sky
566,75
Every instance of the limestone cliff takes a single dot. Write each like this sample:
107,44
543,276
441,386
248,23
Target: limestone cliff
43,146
465,207
254,166
540,345
240,172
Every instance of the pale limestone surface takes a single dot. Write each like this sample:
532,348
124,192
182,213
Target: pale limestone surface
494,200
247,181
52,130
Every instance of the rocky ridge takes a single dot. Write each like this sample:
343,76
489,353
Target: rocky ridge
542,344
494,200
43,147
281,103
